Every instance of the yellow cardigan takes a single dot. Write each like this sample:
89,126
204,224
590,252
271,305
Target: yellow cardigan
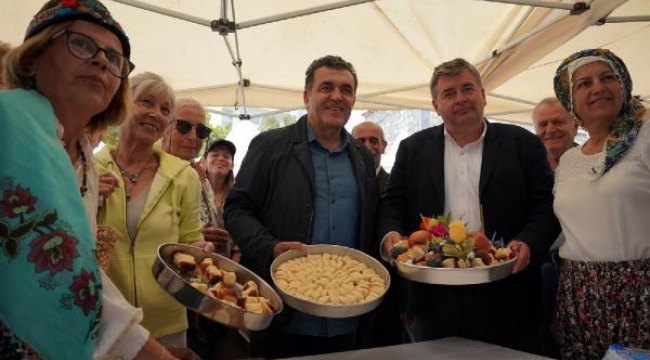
170,215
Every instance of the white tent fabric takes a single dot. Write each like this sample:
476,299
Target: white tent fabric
394,45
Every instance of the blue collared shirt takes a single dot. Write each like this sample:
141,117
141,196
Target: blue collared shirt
336,222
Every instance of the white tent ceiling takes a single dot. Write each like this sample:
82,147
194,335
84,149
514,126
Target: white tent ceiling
394,45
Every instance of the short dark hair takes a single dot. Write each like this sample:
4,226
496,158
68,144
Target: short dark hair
452,68
330,61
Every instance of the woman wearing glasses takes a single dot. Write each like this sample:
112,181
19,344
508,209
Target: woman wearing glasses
184,139
68,77
156,201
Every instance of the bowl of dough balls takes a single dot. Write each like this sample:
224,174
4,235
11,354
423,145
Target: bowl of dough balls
330,281
216,287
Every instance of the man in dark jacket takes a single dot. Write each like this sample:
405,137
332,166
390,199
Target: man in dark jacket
494,177
307,183
372,136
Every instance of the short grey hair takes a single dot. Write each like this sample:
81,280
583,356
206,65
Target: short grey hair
190,103
452,68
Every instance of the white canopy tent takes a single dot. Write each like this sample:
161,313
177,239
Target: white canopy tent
394,45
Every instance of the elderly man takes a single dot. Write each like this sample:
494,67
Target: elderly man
555,127
494,177
372,136
306,183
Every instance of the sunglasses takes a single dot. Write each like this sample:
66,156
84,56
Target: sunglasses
184,126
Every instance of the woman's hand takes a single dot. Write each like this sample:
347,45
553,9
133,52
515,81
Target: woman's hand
205,246
219,237
108,182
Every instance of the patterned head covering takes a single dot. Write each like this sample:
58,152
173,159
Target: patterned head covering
57,11
626,126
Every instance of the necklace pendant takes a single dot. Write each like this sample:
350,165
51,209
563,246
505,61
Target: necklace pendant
134,178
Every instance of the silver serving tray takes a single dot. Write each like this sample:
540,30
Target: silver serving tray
334,310
178,286
454,276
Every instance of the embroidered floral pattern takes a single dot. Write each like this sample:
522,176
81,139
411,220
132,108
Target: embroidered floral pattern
53,249
53,252
85,291
17,202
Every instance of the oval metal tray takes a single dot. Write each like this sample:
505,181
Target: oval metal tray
454,276
333,310
177,285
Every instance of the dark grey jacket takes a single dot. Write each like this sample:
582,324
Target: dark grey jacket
273,197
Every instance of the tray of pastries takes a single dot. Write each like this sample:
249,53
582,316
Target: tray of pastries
216,287
330,281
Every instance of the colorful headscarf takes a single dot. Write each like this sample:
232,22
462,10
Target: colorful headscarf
625,128
57,11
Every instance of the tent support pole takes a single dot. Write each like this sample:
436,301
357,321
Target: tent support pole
575,9
166,12
299,13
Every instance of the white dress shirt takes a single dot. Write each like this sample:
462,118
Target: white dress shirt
462,175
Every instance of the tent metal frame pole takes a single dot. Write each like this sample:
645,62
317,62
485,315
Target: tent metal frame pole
299,13
623,19
551,5
166,12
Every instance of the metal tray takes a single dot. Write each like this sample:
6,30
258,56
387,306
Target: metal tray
454,276
334,310
170,279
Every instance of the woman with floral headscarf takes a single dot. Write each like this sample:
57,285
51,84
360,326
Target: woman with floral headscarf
602,192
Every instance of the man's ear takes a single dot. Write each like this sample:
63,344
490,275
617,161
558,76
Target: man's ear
305,98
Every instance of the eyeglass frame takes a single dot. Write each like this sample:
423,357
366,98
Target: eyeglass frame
197,128
98,48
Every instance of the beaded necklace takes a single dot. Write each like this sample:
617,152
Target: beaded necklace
84,171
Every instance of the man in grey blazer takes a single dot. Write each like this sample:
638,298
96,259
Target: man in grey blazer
495,177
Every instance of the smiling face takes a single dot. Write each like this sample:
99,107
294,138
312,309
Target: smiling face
459,100
555,127
372,136
185,146
330,100
68,81
151,117
219,161
596,91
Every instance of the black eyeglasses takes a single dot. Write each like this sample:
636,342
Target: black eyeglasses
184,126
85,48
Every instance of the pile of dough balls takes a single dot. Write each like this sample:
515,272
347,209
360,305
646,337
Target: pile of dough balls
329,279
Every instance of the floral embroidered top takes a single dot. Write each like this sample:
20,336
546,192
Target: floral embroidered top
52,290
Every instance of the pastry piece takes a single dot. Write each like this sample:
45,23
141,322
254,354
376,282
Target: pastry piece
250,289
503,253
229,278
184,262
213,274
200,286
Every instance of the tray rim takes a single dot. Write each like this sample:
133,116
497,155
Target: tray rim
329,310
251,320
